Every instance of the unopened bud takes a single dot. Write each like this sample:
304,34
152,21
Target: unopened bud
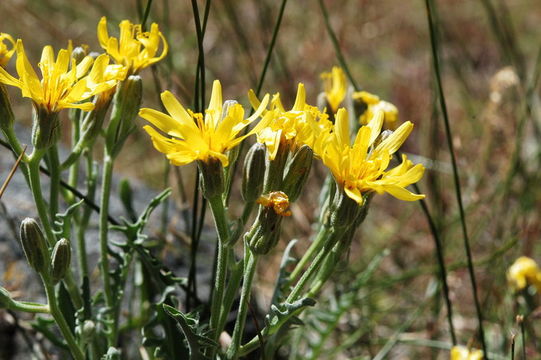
253,174
274,207
126,103
212,177
88,329
60,259
34,245
6,113
297,172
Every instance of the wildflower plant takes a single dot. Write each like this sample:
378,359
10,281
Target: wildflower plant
104,96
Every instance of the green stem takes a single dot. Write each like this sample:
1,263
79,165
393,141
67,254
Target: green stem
85,218
314,247
336,45
456,178
30,307
35,187
54,171
60,320
218,212
231,291
250,262
312,269
104,227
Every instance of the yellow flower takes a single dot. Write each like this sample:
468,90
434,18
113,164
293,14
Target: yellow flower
524,272
374,104
299,126
362,167
192,137
64,84
136,49
6,51
277,200
463,353
335,86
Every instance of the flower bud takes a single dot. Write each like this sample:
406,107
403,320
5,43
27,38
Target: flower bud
253,173
126,103
34,245
267,225
6,114
60,259
212,177
297,172
45,128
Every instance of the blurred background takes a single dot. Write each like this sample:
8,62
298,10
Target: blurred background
490,55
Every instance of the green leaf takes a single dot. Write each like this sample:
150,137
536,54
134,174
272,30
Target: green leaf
189,324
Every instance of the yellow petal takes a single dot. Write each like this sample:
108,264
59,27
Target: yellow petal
395,140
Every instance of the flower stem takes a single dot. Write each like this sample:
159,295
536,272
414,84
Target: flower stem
35,187
218,212
458,192
60,320
104,227
54,171
250,261
30,307
314,247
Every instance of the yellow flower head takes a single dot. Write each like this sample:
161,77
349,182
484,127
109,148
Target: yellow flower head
194,137
6,50
299,126
135,48
362,167
64,84
335,86
277,200
463,353
374,104
524,272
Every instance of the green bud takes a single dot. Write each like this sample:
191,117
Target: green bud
5,299
253,173
45,128
297,172
212,177
6,113
126,103
60,259
34,245
266,229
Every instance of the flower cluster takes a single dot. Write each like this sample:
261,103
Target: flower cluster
464,353
359,166
72,79
135,49
67,82
374,104
523,273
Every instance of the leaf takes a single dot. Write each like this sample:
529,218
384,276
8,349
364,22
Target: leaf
189,324
62,221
